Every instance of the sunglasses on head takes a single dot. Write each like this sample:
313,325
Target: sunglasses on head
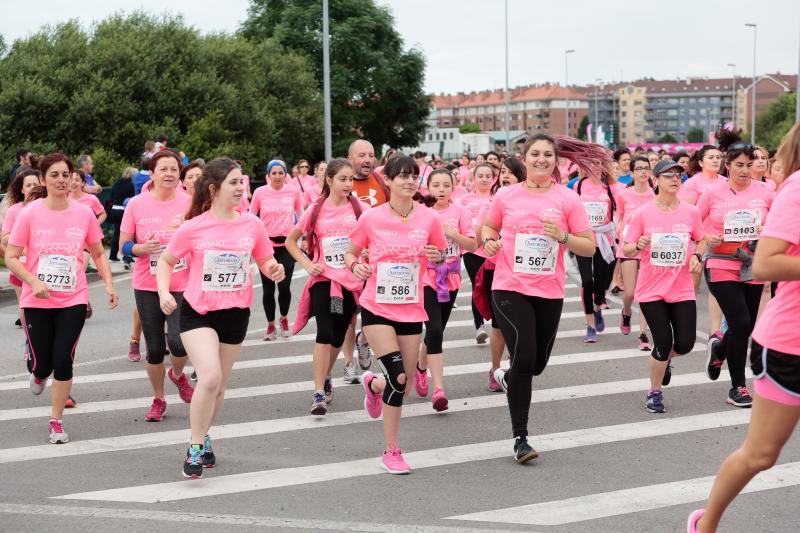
741,146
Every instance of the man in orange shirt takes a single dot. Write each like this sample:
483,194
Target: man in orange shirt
369,187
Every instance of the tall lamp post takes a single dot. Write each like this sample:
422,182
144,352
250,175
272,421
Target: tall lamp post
566,89
753,92
733,94
596,111
326,81
507,94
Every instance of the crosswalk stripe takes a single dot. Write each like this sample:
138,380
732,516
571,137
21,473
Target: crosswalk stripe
647,498
265,427
286,477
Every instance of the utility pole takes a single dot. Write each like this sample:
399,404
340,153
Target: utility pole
326,81
753,92
507,94
566,90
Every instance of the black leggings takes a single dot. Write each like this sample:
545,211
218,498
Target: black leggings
153,319
673,325
472,263
739,303
115,219
52,337
529,325
596,277
331,328
438,315
283,257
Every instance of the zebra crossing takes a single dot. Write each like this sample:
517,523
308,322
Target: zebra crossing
605,464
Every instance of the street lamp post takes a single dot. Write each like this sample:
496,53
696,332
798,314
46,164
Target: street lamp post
326,81
507,94
753,92
596,111
733,94
566,89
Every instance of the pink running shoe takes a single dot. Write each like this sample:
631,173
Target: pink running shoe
372,401
494,386
134,354
394,463
285,331
271,334
157,410
439,400
694,518
421,382
185,389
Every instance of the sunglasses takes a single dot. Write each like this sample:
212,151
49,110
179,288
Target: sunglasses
741,146
669,175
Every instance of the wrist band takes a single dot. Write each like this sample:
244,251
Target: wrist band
127,249
566,238
352,266
699,257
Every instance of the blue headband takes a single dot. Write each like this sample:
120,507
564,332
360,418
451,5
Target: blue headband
276,163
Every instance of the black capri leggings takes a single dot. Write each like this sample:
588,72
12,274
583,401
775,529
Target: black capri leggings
673,325
529,325
283,257
739,303
438,315
52,337
472,263
331,328
153,319
596,277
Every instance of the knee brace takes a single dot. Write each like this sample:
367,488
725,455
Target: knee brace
658,356
392,366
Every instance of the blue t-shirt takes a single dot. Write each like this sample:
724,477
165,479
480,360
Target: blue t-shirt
89,179
627,179
571,183
139,179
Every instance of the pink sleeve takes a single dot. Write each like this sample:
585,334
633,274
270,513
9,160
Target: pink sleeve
304,221
781,220
359,235
255,201
436,236
298,203
704,204
129,220
95,234
688,192
20,234
494,216
698,231
634,228
262,248
577,219
465,224
8,222
621,206
179,244
97,207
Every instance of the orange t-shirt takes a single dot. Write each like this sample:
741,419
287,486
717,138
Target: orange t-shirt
369,191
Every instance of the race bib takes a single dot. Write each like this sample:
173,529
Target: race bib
668,249
333,249
225,271
741,225
453,249
397,283
59,272
180,265
535,254
596,211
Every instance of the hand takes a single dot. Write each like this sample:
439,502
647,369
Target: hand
40,289
276,272
492,247
449,231
695,266
714,240
150,247
314,269
552,230
362,271
113,299
433,254
642,243
167,303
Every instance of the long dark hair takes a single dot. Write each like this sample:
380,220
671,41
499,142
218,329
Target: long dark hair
591,159
44,165
604,179
429,200
213,174
633,164
697,157
730,142
515,167
15,194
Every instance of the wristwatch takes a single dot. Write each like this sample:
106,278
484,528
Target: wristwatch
487,239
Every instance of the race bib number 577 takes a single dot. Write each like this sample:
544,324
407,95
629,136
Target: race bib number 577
225,271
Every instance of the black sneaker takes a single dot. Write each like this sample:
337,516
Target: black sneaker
193,464
18,323
209,459
327,388
739,397
193,377
715,359
667,375
523,451
655,402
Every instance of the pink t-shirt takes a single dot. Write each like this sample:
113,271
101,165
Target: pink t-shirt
397,257
90,201
458,193
147,217
528,262
749,206
55,241
218,254
673,236
311,195
457,217
597,204
779,325
11,216
277,209
692,188
628,201
473,202
332,230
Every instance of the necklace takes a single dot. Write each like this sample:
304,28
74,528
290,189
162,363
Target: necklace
537,186
402,216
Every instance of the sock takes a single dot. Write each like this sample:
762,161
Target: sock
421,369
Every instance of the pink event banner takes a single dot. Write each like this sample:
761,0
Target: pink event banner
669,147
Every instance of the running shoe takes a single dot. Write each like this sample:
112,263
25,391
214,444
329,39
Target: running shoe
599,323
715,359
134,354
421,382
285,331
523,451
270,334
209,459
644,343
185,390
350,374
126,265
605,305
157,410
500,377
57,433
394,463
89,307
115,261
364,352
18,323
439,400
494,386
193,377
655,402
372,400
739,397
694,518
667,375
37,385
70,403
591,335
480,335
616,289
193,464
327,388
455,305
318,405
625,324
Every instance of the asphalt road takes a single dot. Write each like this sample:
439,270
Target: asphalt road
606,465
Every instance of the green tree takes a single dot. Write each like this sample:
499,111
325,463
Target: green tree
667,138
696,135
469,127
376,86
582,128
773,123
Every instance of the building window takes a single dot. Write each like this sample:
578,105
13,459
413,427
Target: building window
637,102
451,135
446,122
701,100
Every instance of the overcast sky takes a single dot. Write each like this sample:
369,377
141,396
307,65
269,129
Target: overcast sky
463,39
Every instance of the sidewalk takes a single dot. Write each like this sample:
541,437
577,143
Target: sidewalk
7,290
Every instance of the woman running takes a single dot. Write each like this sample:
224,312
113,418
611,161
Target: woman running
442,282
277,204
638,193
775,349
667,236
401,236
149,222
190,174
313,192
53,232
528,227
77,194
217,243
761,168
733,213
331,293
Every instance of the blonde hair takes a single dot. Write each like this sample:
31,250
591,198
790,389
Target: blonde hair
789,152
128,173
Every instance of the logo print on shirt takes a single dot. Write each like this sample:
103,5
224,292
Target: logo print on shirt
419,235
245,242
229,260
400,273
75,233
